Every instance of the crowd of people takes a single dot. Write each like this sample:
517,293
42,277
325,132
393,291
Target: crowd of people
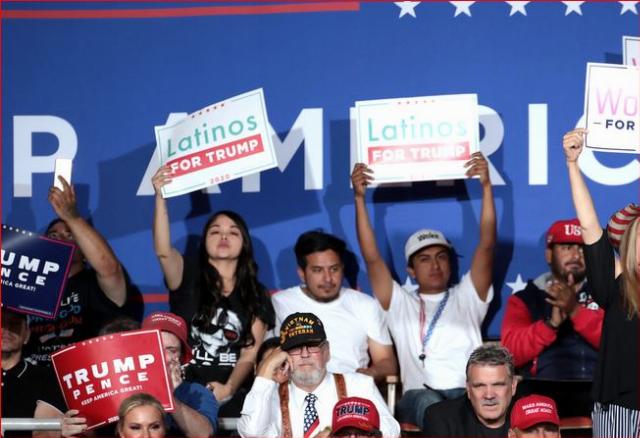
308,361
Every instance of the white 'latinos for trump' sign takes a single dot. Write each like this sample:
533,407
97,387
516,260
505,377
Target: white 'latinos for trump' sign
612,95
221,142
631,50
417,138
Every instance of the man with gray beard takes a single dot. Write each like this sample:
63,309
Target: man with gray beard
293,394
484,410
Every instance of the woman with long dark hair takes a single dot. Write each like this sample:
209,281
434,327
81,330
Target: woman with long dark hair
219,294
614,286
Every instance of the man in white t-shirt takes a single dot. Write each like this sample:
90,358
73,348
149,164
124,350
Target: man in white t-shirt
354,322
436,328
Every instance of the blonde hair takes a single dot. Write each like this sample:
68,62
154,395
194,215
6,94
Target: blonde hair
135,401
629,262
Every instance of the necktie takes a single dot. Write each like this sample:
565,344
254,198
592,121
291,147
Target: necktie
311,420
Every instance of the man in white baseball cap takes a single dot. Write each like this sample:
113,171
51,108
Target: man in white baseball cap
436,328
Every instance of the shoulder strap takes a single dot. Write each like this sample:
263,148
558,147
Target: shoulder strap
283,392
341,386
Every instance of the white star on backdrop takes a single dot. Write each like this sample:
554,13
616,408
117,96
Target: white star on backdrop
573,6
518,6
462,7
407,8
518,285
628,7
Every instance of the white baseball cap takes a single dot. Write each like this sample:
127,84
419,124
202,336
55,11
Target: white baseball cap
423,238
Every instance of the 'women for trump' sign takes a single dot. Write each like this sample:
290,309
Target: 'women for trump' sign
612,97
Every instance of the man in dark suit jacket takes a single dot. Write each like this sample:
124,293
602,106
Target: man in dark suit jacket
483,410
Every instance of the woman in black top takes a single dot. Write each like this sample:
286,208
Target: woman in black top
614,287
219,294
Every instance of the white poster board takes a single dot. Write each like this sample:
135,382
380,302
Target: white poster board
612,95
417,138
631,50
224,141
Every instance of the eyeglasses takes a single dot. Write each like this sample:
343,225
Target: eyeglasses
311,349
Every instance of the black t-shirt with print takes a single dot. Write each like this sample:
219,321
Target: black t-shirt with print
84,309
217,349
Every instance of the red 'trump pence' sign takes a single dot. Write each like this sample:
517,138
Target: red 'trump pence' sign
97,374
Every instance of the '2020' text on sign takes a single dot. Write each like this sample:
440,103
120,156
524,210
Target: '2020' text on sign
221,142
417,138
612,95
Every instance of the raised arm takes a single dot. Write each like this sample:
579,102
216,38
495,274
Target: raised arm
572,143
260,416
482,263
377,270
93,246
170,259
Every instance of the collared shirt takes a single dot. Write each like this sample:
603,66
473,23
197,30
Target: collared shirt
261,415
24,385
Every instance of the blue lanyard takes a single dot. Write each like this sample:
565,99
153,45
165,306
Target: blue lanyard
432,324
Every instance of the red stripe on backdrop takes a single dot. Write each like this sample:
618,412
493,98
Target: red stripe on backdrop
184,12
151,298
155,298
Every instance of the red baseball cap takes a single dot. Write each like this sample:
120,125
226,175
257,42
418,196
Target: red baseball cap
355,412
565,231
534,409
172,323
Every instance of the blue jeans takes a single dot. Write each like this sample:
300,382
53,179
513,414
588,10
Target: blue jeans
411,407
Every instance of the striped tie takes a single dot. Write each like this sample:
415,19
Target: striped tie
311,420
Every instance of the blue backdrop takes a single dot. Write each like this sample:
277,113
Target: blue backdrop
91,80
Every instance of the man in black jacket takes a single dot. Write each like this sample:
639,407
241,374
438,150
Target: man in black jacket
28,390
483,411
